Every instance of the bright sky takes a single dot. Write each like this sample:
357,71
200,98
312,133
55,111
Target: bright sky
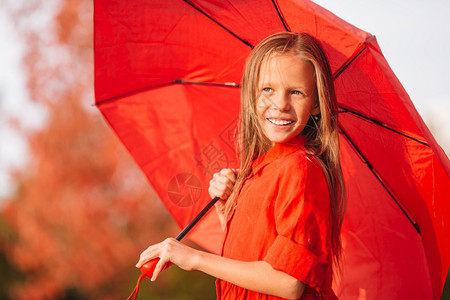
413,35
12,147
14,103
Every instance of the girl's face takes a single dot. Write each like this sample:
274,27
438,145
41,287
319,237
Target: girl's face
286,96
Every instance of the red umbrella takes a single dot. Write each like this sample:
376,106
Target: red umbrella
167,79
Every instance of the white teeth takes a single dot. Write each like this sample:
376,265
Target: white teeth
280,122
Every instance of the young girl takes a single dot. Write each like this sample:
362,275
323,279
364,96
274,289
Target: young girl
282,210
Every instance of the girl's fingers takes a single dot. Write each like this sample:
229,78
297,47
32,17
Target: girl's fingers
169,251
142,260
226,187
229,174
225,175
225,182
148,254
158,268
220,190
222,183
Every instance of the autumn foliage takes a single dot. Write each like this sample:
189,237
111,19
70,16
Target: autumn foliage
82,211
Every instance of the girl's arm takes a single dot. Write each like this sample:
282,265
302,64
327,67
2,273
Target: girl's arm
257,276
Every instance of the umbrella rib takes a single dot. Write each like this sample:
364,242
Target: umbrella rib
177,81
277,8
349,61
373,171
376,122
218,23
227,84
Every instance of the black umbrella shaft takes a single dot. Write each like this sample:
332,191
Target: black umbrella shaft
196,219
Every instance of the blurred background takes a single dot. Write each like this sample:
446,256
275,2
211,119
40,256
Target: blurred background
75,211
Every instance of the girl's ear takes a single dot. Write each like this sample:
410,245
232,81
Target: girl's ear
315,110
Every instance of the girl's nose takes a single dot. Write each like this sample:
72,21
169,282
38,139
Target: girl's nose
281,102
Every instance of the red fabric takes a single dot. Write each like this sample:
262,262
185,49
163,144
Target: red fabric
173,128
282,216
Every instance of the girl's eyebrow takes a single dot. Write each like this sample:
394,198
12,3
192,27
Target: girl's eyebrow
264,84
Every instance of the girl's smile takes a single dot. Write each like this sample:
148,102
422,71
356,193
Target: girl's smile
286,96
280,122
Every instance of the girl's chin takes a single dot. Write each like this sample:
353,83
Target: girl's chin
280,139
282,134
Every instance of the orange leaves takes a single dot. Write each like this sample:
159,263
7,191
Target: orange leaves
82,211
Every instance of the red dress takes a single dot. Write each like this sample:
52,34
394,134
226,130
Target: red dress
281,216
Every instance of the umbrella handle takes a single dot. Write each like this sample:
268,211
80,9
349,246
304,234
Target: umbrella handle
149,267
147,270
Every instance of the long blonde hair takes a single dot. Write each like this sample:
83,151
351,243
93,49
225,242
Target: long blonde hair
321,136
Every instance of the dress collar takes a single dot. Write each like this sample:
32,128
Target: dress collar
277,151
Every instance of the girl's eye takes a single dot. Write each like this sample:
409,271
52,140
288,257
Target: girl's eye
297,93
267,89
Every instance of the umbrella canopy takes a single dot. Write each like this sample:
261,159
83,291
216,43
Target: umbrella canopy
167,77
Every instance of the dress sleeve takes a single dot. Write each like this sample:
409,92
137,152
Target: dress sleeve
301,209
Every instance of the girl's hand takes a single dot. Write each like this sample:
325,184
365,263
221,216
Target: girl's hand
221,185
254,275
170,250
